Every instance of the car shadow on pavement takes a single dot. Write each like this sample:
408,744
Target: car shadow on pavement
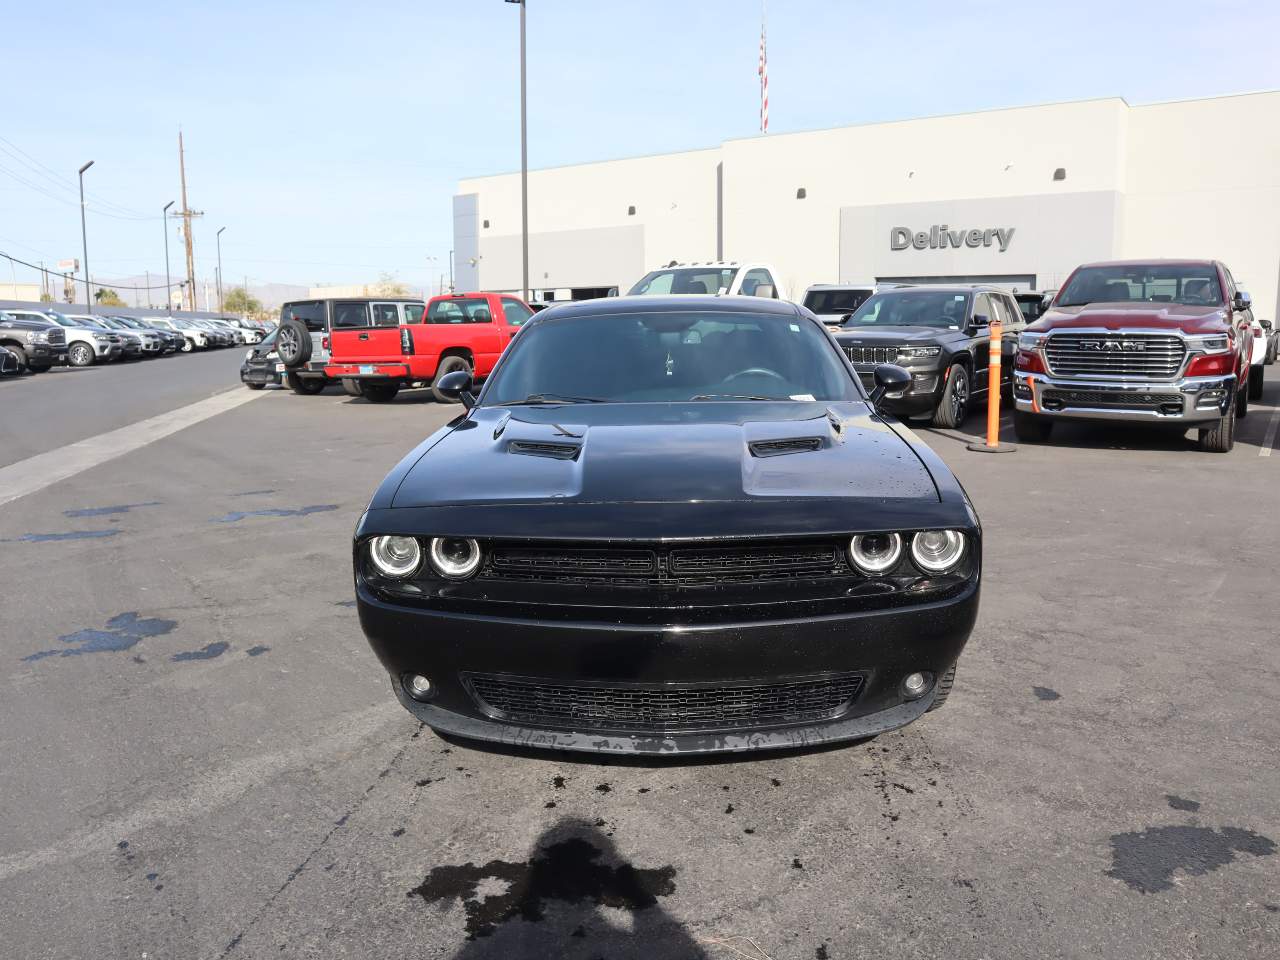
554,903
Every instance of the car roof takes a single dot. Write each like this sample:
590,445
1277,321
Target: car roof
1153,262
290,303
947,288
681,303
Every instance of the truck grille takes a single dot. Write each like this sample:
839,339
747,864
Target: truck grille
658,708
1142,356
1110,399
871,354
667,566
57,337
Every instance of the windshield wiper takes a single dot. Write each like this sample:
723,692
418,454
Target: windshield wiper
549,398
734,396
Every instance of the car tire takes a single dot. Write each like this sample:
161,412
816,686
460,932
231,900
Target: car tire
255,386
1221,437
351,387
1031,427
945,683
293,343
39,367
448,365
954,405
304,386
379,392
188,345
19,359
1255,382
80,355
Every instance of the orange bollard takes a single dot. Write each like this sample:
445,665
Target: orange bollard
993,444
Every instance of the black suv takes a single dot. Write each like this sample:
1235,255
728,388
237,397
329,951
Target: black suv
942,336
36,345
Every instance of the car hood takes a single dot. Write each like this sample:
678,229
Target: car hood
16,324
864,336
1124,315
666,453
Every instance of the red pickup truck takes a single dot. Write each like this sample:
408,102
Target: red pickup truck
1163,342
462,331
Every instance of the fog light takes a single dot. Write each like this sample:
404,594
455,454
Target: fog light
418,686
914,685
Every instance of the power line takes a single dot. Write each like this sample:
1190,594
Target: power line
97,283
38,188
57,179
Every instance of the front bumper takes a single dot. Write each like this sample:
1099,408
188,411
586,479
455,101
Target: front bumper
1187,400
880,646
259,373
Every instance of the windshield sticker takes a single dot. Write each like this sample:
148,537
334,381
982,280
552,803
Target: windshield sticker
806,397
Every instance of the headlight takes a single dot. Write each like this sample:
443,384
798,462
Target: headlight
875,553
937,551
919,353
248,354
102,338
395,557
455,557
40,336
1214,343
1029,341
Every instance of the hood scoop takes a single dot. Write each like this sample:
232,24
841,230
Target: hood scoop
555,449
784,446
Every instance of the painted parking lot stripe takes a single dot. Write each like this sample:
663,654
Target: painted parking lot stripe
1269,440
44,469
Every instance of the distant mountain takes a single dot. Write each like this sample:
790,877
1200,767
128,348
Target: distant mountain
271,294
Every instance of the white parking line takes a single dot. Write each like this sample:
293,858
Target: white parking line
44,469
1270,439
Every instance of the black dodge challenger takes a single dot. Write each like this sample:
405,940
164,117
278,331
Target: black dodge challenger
670,525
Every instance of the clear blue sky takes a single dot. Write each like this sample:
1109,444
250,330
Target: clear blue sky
329,137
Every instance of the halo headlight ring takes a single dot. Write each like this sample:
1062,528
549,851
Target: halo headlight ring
395,557
454,558
937,551
875,554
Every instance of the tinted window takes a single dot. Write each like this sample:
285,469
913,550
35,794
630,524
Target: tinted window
351,313
413,312
913,308
685,280
385,314
460,310
515,311
1152,283
311,313
835,301
673,357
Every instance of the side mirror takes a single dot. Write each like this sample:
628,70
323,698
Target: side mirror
891,380
764,290
456,385
1241,301
980,320
1266,324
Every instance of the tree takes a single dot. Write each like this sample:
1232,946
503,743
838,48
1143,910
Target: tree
237,300
46,297
389,286
108,298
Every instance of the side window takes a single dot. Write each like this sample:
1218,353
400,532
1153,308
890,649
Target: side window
413,312
386,314
756,277
982,306
1006,312
350,313
311,313
515,311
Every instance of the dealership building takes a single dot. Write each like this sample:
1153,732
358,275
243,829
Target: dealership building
1016,196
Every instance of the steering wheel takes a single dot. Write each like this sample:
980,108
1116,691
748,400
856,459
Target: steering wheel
755,372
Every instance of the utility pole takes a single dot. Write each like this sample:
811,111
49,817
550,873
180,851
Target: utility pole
168,281
187,215
149,306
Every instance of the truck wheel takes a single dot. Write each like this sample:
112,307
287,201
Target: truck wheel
351,387
380,392
1220,438
306,386
954,405
19,358
945,683
448,365
1255,382
293,343
39,367
80,355
1031,427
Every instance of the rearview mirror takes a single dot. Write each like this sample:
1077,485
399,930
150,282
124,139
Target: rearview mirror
891,381
456,385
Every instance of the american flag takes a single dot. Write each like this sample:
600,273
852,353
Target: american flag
763,71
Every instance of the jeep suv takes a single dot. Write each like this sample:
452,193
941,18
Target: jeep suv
34,344
303,338
941,335
834,303
725,277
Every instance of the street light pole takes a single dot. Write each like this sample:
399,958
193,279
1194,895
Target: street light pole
450,272
218,237
524,158
84,240
168,283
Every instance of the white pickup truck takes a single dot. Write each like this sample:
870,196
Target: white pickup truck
722,277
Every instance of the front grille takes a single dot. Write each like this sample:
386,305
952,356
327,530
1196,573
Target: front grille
667,567
57,337
1116,399
657,708
871,354
1144,356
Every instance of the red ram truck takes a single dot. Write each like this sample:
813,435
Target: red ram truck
459,331
1162,342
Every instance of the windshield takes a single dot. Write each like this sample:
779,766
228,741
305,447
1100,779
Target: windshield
837,302
61,319
685,280
671,357
1195,284
913,308
182,324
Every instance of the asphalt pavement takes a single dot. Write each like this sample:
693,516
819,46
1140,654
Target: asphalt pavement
201,758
